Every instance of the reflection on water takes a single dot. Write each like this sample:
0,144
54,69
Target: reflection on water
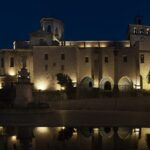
74,138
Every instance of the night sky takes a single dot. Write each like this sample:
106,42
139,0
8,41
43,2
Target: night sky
83,19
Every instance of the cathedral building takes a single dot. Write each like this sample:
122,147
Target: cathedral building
100,64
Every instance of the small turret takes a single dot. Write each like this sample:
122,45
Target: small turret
51,33
54,27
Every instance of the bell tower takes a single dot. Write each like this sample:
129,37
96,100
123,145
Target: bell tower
54,27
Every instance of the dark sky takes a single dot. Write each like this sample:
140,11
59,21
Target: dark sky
83,19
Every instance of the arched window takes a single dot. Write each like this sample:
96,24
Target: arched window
90,84
49,29
107,86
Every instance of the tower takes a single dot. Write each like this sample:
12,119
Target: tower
54,27
51,33
138,32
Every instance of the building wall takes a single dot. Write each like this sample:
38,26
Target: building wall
43,78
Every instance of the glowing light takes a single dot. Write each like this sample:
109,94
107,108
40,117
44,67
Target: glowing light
75,133
42,129
63,128
1,130
58,87
103,45
14,138
1,85
11,72
96,84
127,45
136,130
88,45
41,85
96,130
63,88
137,86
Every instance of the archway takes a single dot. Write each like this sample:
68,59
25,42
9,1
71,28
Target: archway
86,83
106,84
125,84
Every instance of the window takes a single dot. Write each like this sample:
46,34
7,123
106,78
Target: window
54,64
142,31
11,62
46,67
62,67
135,31
2,62
86,59
46,56
49,29
125,59
142,58
148,31
106,59
62,56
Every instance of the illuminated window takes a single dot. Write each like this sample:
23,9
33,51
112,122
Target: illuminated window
62,56
2,62
125,59
135,31
86,59
46,67
142,31
11,62
148,31
62,68
142,58
106,59
46,56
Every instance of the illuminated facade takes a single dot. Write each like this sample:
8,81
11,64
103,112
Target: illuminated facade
100,64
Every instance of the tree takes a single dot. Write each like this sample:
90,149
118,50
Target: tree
65,134
65,81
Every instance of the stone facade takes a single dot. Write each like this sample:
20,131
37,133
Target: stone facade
101,64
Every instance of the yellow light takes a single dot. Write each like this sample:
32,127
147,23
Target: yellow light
96,84
137,86
42,129
58,87
1,85
1,129
41,85
14,138
88,45
63,128
127,45
96,130
62,88
103,45
11,72
136,130
75,133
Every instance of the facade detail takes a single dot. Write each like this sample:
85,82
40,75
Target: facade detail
102,64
